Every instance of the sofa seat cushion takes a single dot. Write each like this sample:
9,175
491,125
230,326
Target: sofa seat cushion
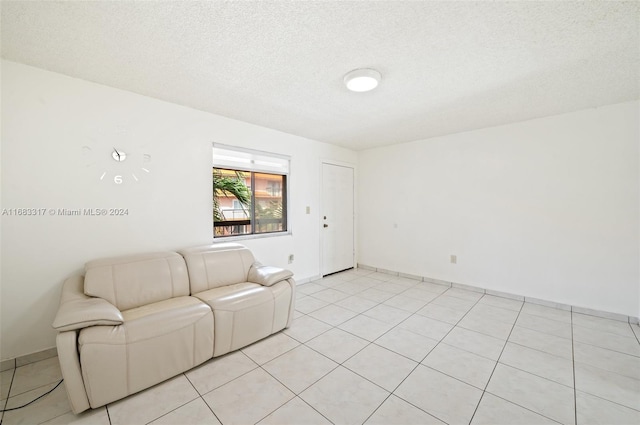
155,342
246,312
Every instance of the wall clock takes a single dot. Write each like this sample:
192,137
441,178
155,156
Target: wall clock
118,164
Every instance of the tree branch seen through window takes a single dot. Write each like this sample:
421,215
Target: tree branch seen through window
246,202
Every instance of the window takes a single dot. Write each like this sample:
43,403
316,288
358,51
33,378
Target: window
249,192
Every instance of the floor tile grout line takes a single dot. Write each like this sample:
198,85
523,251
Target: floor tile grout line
453,326
106,408
608,349
305,402
528,372
426,355
357,314
626,320
222,385
376,384
178,407
342,364
6,401
438,341
295,395
395,326
607,371
417,407
633,337
634,333
402,355
538,350
483,333
348,358
373,342
279,355
392,393
200,395
331,324
360,337
523,301
258,366
535,314
362,313
13,377
573,365
537,330
321,333
379,406
52,386
406,377
450,376
314,382
523,407
617,323
609,401
378,345
495,366
534,374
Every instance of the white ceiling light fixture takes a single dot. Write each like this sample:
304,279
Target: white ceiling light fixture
361,80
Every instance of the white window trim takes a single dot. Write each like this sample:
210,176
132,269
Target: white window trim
288,232
281,165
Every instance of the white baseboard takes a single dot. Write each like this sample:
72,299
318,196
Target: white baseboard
575,309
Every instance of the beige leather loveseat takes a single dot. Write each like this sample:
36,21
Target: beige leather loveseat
134,321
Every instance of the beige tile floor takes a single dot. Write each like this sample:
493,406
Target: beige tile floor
373,348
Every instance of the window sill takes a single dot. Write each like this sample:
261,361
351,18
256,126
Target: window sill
248,237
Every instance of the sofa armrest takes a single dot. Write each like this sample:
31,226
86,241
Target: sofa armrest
267,275
67,344
78,310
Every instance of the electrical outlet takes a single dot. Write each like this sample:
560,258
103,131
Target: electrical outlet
290,258
454,259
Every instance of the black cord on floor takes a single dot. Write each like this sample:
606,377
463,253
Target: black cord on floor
33,401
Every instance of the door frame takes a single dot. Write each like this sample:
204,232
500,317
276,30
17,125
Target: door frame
322,204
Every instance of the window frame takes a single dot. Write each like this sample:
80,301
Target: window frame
285,186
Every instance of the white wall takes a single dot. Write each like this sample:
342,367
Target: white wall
547,208
46,120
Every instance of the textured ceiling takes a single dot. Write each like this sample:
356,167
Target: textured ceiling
447,67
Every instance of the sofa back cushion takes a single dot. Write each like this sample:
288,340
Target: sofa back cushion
217,265
136,280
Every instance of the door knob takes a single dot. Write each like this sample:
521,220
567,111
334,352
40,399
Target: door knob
325,225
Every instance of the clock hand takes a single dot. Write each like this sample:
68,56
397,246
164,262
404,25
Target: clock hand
117,153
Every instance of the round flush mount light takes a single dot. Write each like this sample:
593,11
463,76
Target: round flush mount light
360,80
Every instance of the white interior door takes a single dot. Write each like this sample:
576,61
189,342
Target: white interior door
337,218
